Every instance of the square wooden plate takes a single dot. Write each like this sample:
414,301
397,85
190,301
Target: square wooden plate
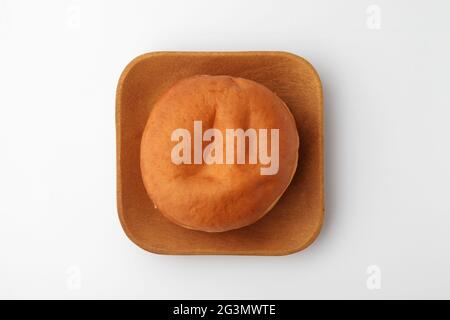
296,219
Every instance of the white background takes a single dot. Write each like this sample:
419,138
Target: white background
387,103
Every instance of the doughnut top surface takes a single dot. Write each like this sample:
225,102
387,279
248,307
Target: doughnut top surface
220,195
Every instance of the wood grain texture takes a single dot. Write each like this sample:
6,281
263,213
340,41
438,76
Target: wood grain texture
296,219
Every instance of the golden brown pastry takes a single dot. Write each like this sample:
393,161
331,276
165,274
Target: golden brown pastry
218,152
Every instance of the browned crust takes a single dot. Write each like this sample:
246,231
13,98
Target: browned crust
216,198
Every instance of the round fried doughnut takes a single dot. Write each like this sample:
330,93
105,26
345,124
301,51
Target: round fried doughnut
216,197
